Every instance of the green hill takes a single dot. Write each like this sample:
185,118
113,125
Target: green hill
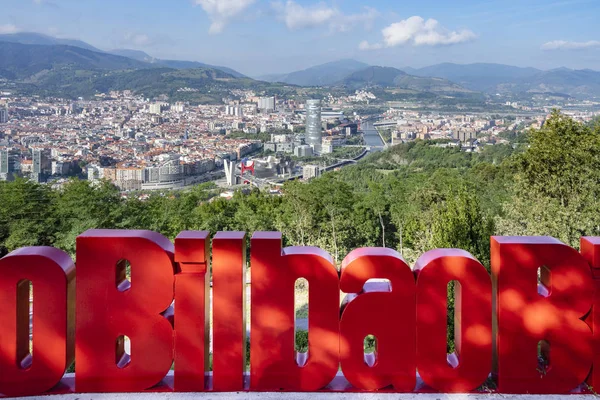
71,72
320,75
498,78
20,61
395,78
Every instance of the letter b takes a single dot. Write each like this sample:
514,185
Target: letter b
110,308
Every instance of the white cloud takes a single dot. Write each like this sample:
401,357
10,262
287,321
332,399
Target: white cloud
364,45
417,31
46,3
8,28
566,45
137,39
344,23
221,12
296,16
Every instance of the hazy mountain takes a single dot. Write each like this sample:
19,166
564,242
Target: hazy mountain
410,70
134,54
20,61
71,72
40,39
380,76
494,78
577,83
320,75
480,77
203,85
145,57
177,64
392,77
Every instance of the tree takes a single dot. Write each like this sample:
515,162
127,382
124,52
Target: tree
26,217
81,205
556,189
460,223
563,159
378,203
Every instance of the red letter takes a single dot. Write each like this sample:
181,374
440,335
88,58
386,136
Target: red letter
108,308
590,249
528,320
191,311
274,273
387,314
52,274
229,311
470,366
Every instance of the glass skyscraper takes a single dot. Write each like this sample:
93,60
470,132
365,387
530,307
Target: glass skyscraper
313,124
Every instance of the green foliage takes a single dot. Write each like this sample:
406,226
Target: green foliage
262,136
370,344
302,341
26,215
411,198
460,223
555,190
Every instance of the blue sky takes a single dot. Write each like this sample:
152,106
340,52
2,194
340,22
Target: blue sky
263,36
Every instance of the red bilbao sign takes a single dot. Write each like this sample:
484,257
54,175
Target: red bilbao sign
541,299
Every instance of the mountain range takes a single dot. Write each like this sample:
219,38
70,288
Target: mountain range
320,75
69,71
30,38
41,39
498,78
177,64
395,78
479,77
36,59
25,61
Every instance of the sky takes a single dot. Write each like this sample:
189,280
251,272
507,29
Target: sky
258,37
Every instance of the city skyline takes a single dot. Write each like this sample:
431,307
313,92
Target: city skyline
259,37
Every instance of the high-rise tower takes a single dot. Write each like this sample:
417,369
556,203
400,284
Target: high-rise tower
313,124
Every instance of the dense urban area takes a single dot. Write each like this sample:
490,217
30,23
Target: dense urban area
141,145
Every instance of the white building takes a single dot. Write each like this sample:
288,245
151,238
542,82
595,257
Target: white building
266,103
311,171
156,108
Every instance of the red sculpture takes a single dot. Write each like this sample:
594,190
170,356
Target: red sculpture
542,335
469,366
384,310
543,346
192,330
590,249
109,308
247,165
229,311
25,371
272,344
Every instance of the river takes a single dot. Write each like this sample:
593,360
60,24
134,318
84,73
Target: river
372,137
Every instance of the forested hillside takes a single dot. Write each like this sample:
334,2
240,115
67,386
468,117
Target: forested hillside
412,198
